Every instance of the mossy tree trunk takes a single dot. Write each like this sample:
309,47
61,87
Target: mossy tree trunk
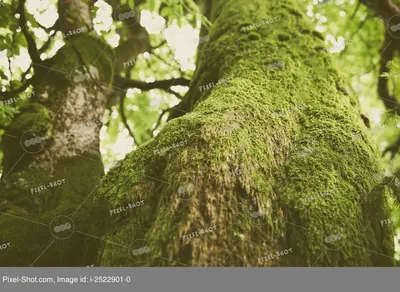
271,158
52,163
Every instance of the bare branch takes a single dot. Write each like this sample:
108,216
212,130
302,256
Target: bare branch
169,90
124,83
160,45
32,49
355,11
124,120
163,112
47,44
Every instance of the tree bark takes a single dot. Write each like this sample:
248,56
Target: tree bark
52,164
271,159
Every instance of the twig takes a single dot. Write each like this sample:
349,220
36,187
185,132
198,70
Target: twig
160,45
163,112
356,10
124,120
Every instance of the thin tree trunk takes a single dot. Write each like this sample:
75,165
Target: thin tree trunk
52,163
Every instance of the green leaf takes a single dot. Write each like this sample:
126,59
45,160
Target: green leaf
394,67
389,118
152,5
3,46
2,75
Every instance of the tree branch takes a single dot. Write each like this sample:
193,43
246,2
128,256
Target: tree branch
124,120
393,149
32,49
352,35
355,10
163,112
387,53
124,83
160,45
4,127
8,94
169,90
47,44
384,8
175,67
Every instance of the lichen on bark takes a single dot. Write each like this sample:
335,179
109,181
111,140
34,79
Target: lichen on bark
58,111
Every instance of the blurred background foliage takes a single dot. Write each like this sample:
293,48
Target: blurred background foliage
354,36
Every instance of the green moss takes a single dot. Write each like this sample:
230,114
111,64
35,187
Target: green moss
254,36
272,138
318,35
284,37
33,116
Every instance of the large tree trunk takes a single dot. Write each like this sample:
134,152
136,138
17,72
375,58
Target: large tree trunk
275,157
55,138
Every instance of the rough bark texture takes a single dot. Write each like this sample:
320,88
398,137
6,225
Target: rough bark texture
281,140
64,116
